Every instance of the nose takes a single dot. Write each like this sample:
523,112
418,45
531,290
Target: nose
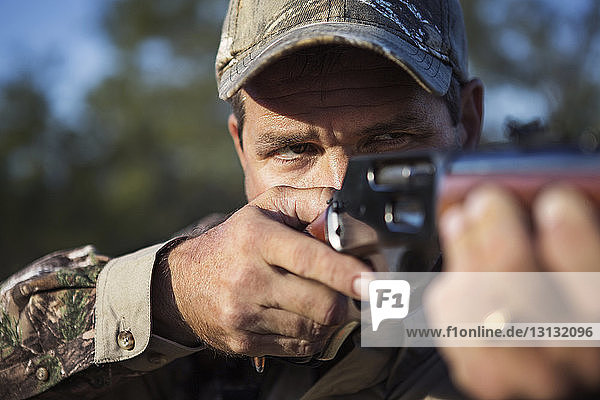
335,164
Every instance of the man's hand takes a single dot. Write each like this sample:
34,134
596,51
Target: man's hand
256,285
491,232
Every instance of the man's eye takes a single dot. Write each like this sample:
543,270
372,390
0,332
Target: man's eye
386,142
390,136
292,152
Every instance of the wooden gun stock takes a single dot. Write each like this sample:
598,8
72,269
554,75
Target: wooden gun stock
454,188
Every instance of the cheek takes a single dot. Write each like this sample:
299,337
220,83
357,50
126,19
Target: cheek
448,139
258,180
253,185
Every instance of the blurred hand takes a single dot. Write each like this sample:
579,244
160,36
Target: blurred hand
491,232
256,285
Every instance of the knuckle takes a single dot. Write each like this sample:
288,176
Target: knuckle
242,345
242,280
317,331
234,317
332,313
299,328
308,348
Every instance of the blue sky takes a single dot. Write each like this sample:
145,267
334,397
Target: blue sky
65,36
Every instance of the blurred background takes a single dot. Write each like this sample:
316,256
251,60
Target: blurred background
111,132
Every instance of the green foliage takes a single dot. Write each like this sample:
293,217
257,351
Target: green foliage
75,315
150,156
548,47
10,336
78,277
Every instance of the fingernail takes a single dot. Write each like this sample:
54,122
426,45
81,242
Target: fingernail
452,223
360,285
549,210
558,206
478,202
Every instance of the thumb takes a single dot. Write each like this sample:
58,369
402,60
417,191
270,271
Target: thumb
293,206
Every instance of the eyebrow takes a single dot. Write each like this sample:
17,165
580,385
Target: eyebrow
267,142
409,122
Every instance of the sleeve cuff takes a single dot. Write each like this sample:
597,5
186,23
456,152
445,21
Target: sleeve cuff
123,320
160,351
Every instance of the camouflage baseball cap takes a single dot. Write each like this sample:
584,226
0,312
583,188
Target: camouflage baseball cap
425,37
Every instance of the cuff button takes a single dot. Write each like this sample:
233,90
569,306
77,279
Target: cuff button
125,340
42,374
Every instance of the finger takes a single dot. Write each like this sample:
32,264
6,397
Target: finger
489,232
568,230
253,344
306,297
284,323
307,257
581,364
294,206
505,372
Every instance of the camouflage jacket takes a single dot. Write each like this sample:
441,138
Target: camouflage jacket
47,322
47,332
47,343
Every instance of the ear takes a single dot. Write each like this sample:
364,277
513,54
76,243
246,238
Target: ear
232,126
471,103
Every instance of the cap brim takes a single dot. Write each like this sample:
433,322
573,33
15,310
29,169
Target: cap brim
428,71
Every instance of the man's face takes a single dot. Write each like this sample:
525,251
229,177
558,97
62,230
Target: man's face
303,121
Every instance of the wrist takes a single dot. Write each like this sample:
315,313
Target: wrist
167,320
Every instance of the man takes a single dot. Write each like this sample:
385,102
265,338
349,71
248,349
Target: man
311,84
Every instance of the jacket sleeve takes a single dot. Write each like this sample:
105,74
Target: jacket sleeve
77,322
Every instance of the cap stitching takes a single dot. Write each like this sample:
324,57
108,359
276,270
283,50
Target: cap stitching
437,71
429,63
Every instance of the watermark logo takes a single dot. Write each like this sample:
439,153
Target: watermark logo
389,299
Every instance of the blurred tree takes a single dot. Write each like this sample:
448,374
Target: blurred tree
545,47
168,158
151,155
45,187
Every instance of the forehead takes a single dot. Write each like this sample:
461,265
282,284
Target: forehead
326,68
335,80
